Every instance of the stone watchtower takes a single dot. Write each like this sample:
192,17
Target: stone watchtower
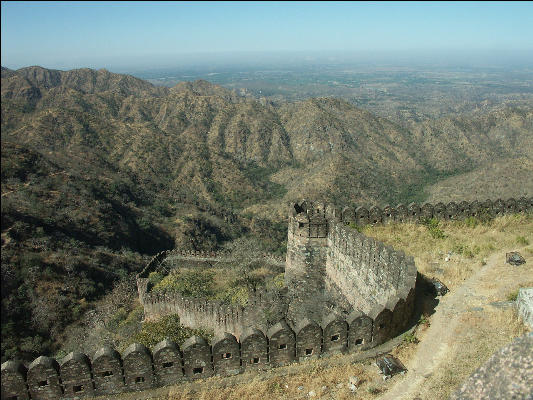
305,268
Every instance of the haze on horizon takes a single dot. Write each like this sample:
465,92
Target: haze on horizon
134,36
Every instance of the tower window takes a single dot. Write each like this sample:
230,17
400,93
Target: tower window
197,370
308,352
334,338
77,389
226,355
282,346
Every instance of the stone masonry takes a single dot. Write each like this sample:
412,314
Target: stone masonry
346,292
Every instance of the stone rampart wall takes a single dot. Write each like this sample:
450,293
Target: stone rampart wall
139,368
367,272
200,256
263,308
415,212
195,257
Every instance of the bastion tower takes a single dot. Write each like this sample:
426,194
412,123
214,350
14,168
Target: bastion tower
305,267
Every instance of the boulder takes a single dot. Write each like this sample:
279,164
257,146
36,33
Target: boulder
514,258
508,374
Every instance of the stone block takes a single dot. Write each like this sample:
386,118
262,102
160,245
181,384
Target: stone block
107,371
335,334
138,370
197,358
439,211
426,210
308,339
361,216
254,349
451,210
76,376
43,379
281,342
508,374
226,354
359,331
524,303
14,381
401,213
382,325
167,363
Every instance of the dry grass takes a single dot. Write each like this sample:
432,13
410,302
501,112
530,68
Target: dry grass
467,247
479,335
314,381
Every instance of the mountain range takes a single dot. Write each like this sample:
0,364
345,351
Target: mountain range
100,170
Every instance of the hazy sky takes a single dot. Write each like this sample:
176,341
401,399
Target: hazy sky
106,34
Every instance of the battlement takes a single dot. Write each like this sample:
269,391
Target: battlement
327,263
138,368
308,220
416,213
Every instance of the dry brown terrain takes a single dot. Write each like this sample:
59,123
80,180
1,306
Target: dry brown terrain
469,324
502,179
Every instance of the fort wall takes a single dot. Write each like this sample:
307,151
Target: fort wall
367,272
324,258
377,281
139,368
263,309
413,212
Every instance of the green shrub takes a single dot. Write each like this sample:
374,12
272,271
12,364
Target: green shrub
465,251
279,281
522,240
353,225
153,332
423,320
513,295
432,224
189,283
373,389
234,295
155,277
117,319
410,338
471,222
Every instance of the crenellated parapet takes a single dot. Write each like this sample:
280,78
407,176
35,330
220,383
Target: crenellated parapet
137,368
414,212
216,315
308,220
323,257
325,260
367,272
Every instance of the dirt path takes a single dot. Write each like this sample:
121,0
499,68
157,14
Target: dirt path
489,283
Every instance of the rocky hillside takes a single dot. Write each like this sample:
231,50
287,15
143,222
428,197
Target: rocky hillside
100,170
205,142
